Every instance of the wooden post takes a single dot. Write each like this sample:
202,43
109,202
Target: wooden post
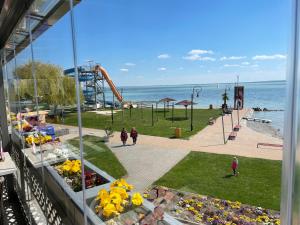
152,116
173,113
156,112
186,112
130,106
223,129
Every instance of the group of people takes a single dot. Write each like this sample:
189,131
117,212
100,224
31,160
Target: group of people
133,135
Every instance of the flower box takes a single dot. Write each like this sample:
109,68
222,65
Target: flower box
70,171
118,205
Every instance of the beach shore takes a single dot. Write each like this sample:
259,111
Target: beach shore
264,128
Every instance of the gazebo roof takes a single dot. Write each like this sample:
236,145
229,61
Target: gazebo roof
167,100
185,103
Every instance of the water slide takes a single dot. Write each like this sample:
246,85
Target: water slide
110,82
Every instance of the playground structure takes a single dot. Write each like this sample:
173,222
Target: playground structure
92,80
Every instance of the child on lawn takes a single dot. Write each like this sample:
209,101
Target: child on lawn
234,166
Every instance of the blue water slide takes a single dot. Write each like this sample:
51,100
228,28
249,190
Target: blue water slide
86,78
71,71
88,92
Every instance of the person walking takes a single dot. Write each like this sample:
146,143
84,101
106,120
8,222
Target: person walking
234,166
133,135
124,136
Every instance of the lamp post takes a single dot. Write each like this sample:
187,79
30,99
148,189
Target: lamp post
112,110
122,105
195,91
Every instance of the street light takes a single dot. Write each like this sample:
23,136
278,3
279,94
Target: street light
196,90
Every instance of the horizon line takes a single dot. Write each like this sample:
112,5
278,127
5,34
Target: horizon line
222,83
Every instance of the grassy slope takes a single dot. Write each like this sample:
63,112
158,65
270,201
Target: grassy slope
142,120
257,184
97,153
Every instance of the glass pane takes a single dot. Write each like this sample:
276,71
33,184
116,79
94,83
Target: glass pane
56,97
194,81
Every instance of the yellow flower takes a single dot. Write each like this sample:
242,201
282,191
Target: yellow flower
75,169
105,201
66,168
122,183
119,207
137,199
102,194
115,198
109,210
121,191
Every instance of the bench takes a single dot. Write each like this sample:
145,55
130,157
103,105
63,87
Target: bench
237,128
232,135
270,145
211,121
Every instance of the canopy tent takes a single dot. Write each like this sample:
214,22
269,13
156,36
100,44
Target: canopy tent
166,100
185,103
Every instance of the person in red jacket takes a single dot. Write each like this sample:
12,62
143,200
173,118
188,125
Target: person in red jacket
234,166
124,136
133,135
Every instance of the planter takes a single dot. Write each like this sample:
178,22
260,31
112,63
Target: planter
118,205
92,179
70,201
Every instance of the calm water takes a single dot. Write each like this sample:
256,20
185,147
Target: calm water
270,95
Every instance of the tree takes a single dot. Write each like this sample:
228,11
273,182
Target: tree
53,87
225,99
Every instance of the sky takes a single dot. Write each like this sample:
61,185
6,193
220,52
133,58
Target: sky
159,42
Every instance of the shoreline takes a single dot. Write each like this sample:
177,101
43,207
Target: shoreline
263,128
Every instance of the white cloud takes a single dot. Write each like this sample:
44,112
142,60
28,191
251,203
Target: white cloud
162,69
197,55
163,56
124,70
255,66
207,59
269,57
200,52
129,64
231,65
139,77
245,63
232,58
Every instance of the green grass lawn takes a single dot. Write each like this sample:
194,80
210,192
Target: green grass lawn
142,120
97,153
258,183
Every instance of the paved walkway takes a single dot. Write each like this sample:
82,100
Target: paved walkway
153,156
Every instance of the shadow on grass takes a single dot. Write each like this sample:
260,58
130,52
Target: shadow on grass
120,146
228,176
161,111
177,118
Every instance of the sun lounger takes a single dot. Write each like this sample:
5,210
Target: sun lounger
232,135
237,128
270,145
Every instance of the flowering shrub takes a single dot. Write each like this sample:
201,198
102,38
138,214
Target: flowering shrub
117,199
212,211
70,170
